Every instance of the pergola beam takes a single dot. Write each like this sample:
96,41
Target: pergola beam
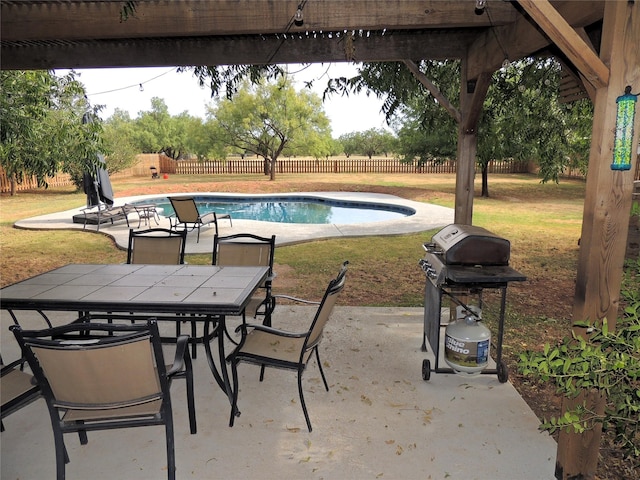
523,37
568,40
435,91
77,20
292,48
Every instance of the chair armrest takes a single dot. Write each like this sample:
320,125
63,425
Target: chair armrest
295,299
21,362
182,342
265,328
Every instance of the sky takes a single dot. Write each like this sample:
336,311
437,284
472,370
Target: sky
131,89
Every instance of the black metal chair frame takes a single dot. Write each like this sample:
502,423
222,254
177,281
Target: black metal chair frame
77,336
160,233
310,345
195,223
193,339
25,396
265,308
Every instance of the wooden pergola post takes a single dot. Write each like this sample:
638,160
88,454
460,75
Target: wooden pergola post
606,216
472,95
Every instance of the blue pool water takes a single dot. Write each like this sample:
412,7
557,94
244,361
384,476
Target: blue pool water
283,209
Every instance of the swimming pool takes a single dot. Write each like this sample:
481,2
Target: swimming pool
290,209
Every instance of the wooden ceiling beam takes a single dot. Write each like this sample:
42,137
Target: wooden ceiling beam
73,19
434,90
524,37
568,40
235,50
38,34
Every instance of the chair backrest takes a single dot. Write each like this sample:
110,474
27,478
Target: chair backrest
97,366
186,209
325,309
17,387
156,246
244,249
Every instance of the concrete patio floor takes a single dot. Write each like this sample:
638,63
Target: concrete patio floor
379,419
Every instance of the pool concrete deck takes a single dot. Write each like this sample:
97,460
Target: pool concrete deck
427,217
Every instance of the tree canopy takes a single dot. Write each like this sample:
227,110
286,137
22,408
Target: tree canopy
41,127
270,119
522,114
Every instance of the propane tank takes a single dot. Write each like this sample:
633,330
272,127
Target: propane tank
466,344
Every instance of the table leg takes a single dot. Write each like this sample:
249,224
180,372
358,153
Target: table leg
222,375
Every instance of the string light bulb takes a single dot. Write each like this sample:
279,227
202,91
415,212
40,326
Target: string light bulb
141,88
298,20
480,4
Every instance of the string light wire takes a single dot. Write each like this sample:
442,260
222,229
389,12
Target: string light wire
138,85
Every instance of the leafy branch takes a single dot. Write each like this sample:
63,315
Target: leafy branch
602,361
128,10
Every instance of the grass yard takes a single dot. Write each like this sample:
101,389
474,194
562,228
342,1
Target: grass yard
542,221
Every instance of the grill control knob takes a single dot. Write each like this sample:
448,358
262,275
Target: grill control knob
424,265
431,273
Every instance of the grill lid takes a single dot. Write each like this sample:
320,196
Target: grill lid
470,245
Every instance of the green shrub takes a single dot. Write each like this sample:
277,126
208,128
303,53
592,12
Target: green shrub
607,362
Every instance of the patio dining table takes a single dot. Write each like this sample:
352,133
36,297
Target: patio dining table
207,293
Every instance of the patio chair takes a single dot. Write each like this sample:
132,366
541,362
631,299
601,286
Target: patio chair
160,246
270,347
187,214
156,246
105,376
17,388
246,249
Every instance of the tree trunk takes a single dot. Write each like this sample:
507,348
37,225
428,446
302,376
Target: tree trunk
12,181
485,180
272,172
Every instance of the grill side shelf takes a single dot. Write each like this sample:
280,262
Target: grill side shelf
464,274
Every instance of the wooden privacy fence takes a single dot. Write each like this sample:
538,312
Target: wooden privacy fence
253,166
341,165
30,183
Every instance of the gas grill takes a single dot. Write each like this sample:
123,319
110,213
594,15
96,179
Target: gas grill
460,262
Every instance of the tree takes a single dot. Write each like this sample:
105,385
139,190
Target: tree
349,142
201,139
376,141
118,138
524,119
425,130
156,131
522,116
270,119
41,127
229,79
318,145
